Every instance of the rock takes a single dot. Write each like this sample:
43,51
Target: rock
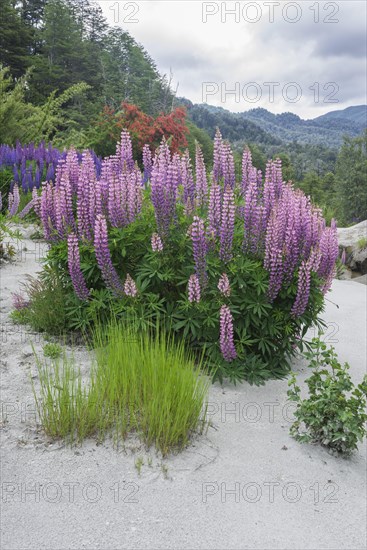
362,279
350,239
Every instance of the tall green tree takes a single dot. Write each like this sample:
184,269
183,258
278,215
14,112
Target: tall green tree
15,38
351,179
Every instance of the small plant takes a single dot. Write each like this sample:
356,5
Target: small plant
46,303
164,469
139,462
362,243
64,404
7,250
20,316
334,413
51,350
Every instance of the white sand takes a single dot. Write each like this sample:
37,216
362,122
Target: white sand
246,484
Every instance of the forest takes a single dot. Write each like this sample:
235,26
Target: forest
69,77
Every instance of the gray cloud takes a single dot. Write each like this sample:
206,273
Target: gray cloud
304,52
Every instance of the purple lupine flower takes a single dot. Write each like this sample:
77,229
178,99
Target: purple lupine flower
147,163
156,242
72,168
130,287
200,248
187,179
269,189
134,194
278,177
103,256
194,290
227,346
273,258
76,275
14,200
215,208
63,205
303,289
228,168
47,212
253,217
36,202
164,183
329,251
124,151
343,258
223,285
28,207
227,225
247,168
19,301
201,184
87,203
217,156
304,282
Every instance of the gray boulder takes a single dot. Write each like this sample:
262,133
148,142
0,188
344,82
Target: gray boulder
354,241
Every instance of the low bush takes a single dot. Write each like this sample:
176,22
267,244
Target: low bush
334,413
44,310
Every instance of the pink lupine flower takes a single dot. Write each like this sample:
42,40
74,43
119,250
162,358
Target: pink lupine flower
76,274
103,256
130,287
227,346
19,301
194,289
156,242
223,285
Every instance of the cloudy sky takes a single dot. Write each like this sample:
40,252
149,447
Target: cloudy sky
306,57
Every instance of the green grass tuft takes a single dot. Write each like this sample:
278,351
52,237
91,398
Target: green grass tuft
143,383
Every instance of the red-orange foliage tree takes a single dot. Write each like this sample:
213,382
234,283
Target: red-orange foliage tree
143,128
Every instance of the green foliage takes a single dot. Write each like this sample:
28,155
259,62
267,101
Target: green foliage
52,350
68,65
23,121
351,170
266,334
334,412
19,316
140,383
204,140
362,243
15,37
46,309
7,249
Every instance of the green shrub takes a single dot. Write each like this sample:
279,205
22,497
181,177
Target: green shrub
266,333
46,309
334,414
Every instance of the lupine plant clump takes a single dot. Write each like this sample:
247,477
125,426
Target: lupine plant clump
24,168
237,268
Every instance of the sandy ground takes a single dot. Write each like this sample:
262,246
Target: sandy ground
245,485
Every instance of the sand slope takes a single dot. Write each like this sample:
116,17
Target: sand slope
246,484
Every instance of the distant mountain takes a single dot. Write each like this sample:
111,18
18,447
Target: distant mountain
356,114
265,128
232,126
